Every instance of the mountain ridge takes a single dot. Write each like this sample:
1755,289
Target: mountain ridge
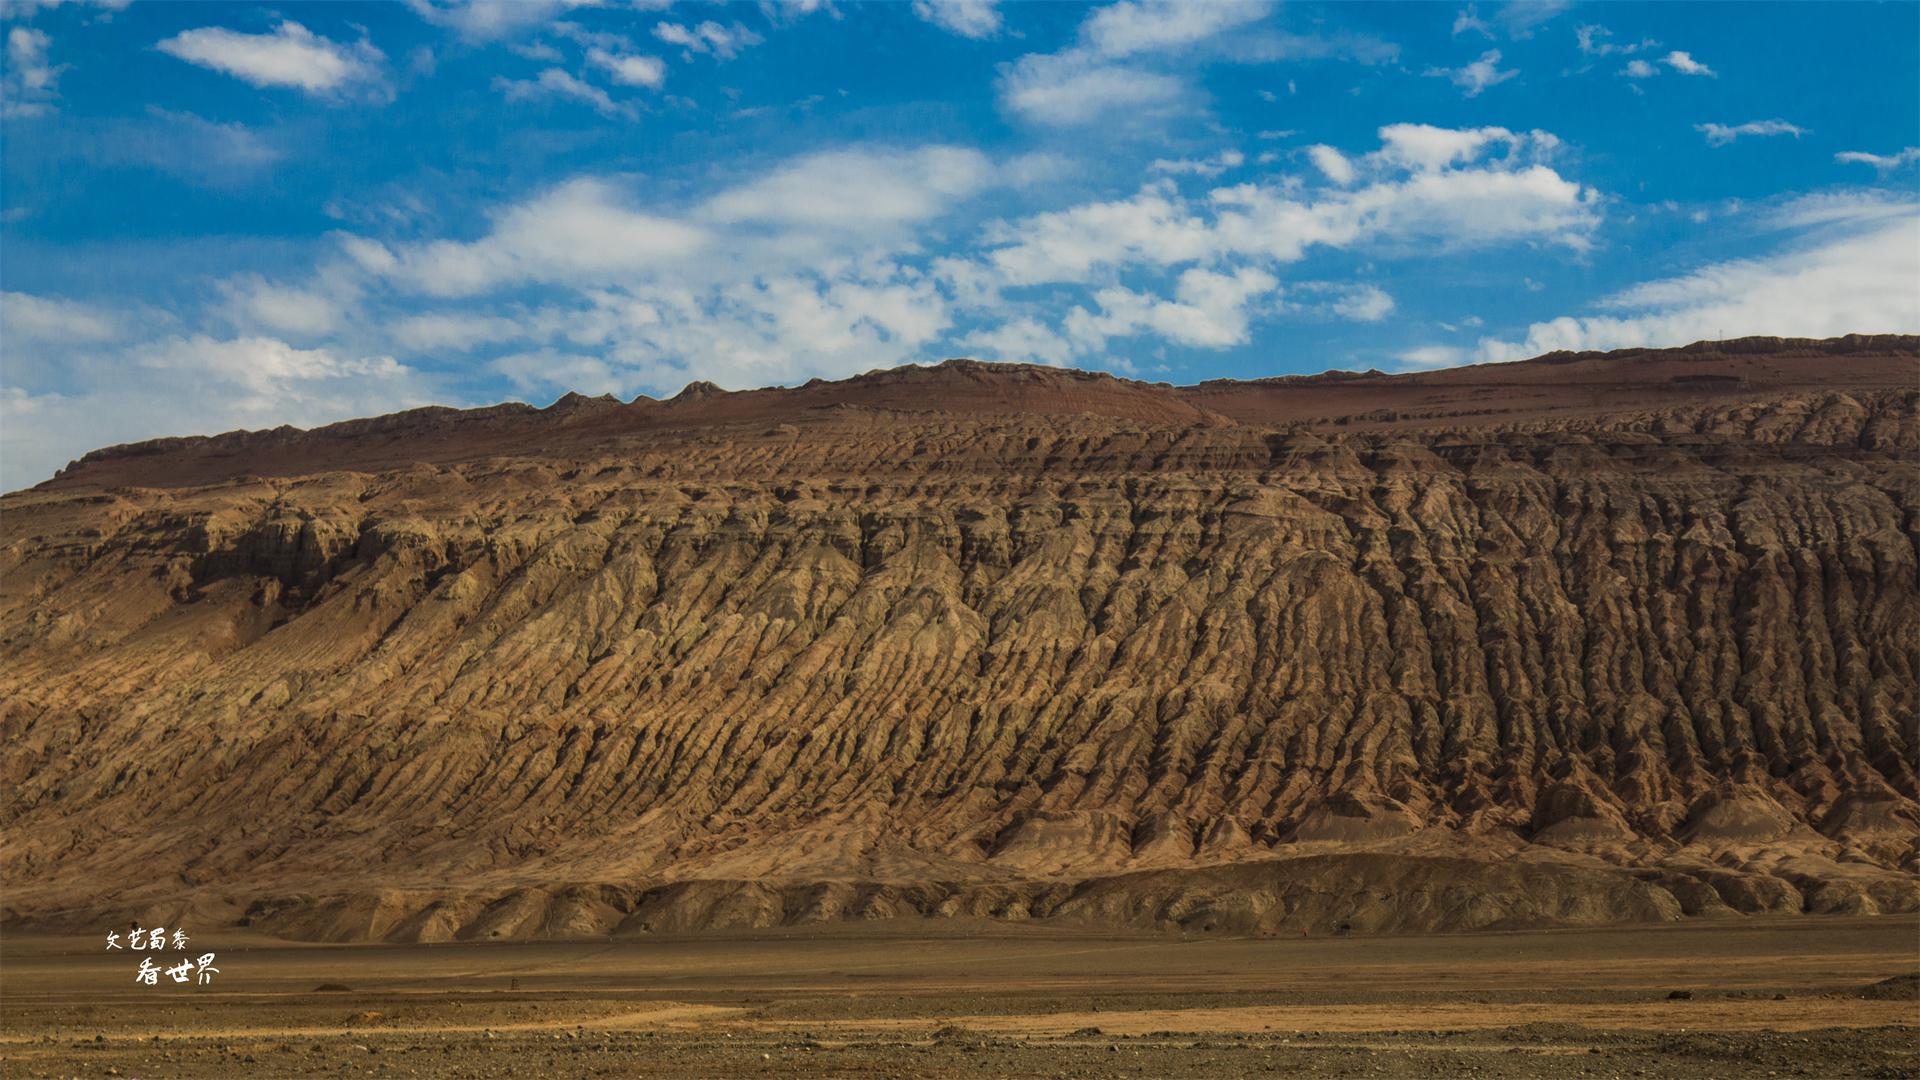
955,385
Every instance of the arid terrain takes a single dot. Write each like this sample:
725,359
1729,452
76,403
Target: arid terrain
1583,640
1543,719
1769,996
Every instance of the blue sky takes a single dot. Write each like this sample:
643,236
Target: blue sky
223,215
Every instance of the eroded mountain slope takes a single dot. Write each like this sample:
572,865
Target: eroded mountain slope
1130,655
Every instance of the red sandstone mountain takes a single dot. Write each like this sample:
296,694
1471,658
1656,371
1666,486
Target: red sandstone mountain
1584,638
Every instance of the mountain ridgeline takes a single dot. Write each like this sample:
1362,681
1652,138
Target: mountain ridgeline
1584,639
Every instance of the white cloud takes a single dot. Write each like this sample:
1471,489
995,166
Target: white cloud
28,86
1639,69
1426,148
1332,164
1859,272
581,232
1722,134
555,83
1519,18
835,320
1364,303
629,69
1107,73
291,56
283,308
489,20
455,331
1883,163
1154,227
1848,209
28,318
1073,88
188,385
26,9
1209,166
857,189
210,153
1476,77
1686,65
546,370
1468,20
1435,356
1132,27
968,18
263,365
1209,311
1432,186
708,38
1591,45
1023,340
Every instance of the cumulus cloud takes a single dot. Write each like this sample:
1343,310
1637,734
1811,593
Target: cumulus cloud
629,69
833,320
857,189
1639,69
303,312
30,318
289,56
1722,134
580,231
1424,189
1364,303
1434,186
1332,164
1473,79
1024,340
968,18
1132,27
1686,65
1856,271
1073,88
1209,310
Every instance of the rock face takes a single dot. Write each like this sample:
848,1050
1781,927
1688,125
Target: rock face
1583,639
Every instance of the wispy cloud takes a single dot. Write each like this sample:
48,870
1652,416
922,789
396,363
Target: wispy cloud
557,83
1110,70
1883,163
708,38
1722,134
28,86
1473,79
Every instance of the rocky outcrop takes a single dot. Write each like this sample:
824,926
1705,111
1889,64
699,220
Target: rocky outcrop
1132,655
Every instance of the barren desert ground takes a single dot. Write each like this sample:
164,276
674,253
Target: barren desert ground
1780,997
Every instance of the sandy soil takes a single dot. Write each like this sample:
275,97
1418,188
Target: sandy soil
1768,998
